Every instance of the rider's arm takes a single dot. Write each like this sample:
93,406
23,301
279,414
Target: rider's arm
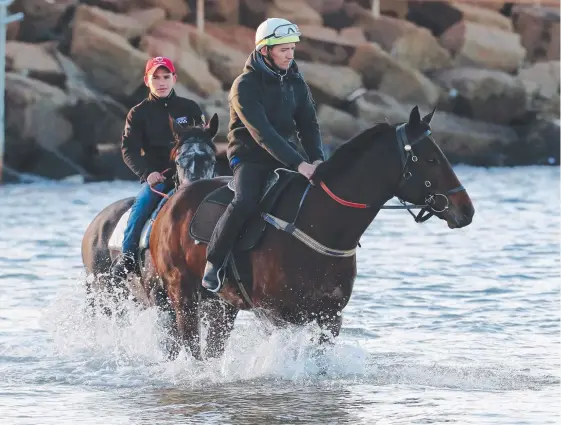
131,146
249,109
308,127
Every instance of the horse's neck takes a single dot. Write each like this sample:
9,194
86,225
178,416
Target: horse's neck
371,180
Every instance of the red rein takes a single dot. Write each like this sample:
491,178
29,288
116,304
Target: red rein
340,200
322,184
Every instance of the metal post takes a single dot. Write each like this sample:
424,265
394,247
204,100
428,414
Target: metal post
376,8
201,16
4,21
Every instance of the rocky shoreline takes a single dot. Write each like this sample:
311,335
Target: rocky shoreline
74,68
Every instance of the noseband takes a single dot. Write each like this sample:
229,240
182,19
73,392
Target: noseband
407,155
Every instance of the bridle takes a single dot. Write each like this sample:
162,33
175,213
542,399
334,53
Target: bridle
407,155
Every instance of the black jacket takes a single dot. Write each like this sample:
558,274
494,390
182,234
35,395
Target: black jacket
147,129
266,109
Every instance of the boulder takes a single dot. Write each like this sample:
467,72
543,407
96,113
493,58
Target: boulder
339,124
412,45
194,72
225,62
34,120
253,12
34,61
484,16
223,11
174,32
330,83
325,45
111,63
376,107
175,10
538,143
435,16
295,11
381,71
541,81
44,20
472,142
156,46
484,94
539,31
473,44
125,25
237,36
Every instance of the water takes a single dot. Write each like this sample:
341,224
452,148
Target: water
444,326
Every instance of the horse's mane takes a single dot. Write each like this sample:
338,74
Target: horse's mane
348,152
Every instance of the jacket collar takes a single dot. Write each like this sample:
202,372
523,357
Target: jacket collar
156,99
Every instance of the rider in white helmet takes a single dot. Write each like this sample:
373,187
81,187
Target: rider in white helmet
269,103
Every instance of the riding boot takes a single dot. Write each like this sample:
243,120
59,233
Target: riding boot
210,277
124,265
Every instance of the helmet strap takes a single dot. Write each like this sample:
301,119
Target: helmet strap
272,63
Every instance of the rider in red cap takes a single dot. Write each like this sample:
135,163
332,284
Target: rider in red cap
146,146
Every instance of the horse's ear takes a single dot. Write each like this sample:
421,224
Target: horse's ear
213,126
427,118
414,117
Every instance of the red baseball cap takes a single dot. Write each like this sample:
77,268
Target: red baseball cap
156,62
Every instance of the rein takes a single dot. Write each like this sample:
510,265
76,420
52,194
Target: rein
427,210
406,152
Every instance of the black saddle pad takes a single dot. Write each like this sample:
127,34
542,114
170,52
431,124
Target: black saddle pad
214,205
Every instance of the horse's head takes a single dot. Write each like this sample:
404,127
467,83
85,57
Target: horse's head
427,177
194,152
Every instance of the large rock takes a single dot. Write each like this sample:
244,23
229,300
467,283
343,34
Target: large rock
329,83
225,62
436,16
539,29
473,142
194,72
406,42
483,94
325,45
172,39
474,44
223,11
377,107
541,81
381,71
34,120
295,11
43,19
34,61
484,16
111,63
175,10
126,25
253,12
538,143
236,36
339,124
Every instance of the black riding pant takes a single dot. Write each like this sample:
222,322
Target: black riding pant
249,180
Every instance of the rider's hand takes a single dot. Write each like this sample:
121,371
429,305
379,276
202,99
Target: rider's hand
307,170
155,178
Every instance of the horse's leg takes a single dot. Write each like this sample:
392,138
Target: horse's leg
171,345
220,317
184,298
330,325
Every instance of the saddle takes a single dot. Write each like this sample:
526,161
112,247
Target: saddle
238,266
213,206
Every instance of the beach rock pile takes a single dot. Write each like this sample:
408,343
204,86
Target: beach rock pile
75,67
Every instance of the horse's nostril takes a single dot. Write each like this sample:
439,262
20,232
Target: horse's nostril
467,210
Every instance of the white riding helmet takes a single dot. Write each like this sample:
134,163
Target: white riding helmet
275,31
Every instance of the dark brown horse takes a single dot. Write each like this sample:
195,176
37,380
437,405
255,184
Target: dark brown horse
306,273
